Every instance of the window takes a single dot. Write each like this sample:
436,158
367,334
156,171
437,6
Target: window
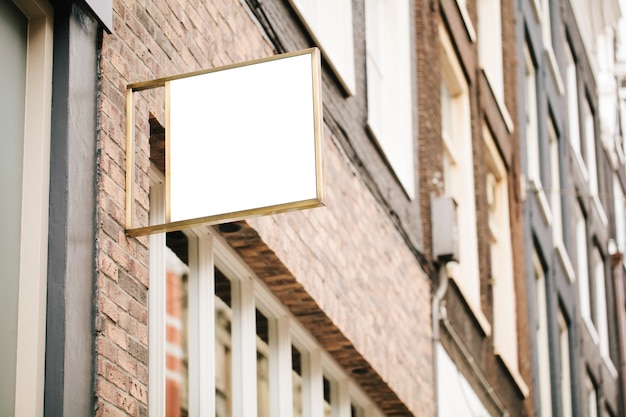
220,343
555,184
599,305
590,148
556,197
591,159
467,20
620,215
572,103
490,45
504,298
591,397
532,132
542,336
546,23
26,81
458,171
582,267
456,397
389,85
566,376
330,24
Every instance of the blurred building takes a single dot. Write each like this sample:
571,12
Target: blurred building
468,260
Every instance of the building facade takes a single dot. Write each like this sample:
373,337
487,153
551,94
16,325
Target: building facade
468,259
319,312
573,209
469,154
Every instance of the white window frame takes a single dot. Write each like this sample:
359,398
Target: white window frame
543,346
533,156
329,22
601,313
467,20
566,374
490,44
31,325
591,397
459,176
573,112
504,296
206,251
555,202
582,271
548,44
455,395
388,36
555,183
591,160
532,125
491,54
620,214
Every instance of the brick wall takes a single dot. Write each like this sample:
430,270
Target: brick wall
150,40
483,108
349,257
353,263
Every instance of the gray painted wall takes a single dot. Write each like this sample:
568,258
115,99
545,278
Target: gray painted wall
71,265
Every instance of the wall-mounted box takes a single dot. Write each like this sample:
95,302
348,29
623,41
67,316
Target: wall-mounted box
444,227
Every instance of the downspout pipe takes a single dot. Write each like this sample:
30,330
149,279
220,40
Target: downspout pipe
442,272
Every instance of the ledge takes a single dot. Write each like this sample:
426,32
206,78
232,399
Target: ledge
564,260
514,374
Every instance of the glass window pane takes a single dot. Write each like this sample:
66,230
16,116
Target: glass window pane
176,323
262,365
223,339
296,378
327,398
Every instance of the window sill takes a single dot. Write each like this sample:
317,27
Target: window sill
561,253
591,328
504,112
554,69
514,374
610,366
469,27
537,9
582,167
600,210
476,312
542,201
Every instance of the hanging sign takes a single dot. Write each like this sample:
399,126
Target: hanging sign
240,141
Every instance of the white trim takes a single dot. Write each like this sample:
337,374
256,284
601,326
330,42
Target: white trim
201,323
281,391
554,69
157,300
330,25
537,9
388,41
31,324
244,380
610,366
476,311
312,384
564,260
514,373
566,371
342,408
591,328
284,331
542,200
600,210
467,20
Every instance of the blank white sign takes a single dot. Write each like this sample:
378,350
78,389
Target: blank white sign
245,138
